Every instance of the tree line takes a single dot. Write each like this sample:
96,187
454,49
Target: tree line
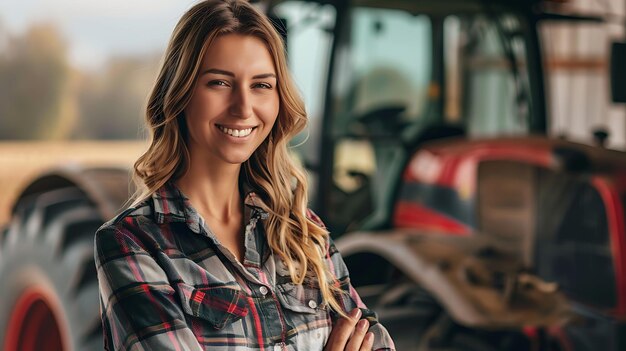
43,97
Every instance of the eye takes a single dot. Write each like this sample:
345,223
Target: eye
262,85
218,83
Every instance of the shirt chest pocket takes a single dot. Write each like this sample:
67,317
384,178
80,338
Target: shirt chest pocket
300,298
220,306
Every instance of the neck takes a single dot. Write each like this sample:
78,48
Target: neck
213,190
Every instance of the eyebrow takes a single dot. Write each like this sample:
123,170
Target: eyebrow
231,74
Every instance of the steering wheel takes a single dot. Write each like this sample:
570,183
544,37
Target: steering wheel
383,121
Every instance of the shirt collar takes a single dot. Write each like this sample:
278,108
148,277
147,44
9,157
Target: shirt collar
171,205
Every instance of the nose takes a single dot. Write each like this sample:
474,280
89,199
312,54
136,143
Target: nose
241,103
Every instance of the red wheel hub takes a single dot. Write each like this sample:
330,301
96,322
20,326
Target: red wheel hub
34,325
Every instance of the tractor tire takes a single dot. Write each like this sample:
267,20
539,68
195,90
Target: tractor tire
49,290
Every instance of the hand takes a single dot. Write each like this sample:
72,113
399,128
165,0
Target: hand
349,334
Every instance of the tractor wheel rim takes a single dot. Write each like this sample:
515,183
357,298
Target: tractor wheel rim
33,323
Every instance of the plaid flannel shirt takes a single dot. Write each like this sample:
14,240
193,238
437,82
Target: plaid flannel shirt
166,283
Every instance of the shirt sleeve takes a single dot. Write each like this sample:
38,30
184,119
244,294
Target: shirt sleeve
137,305
350,299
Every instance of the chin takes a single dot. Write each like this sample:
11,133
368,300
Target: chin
236,159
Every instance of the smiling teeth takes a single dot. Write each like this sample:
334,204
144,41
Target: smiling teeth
239,133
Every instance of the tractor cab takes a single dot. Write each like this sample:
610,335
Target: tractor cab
380,78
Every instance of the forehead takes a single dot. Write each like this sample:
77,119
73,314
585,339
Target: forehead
238,53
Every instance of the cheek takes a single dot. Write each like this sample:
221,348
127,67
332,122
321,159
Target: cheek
270,112
197,126
192,112
269,120
199,115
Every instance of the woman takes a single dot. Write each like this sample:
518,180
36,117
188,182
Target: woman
219,251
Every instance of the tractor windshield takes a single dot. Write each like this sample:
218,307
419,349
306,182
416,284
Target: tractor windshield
399,72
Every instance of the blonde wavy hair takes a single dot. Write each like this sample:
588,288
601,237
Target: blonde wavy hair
299,241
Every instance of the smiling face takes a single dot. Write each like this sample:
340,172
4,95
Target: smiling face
235,100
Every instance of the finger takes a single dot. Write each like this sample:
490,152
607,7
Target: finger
356,340
368,342
345,327
340,334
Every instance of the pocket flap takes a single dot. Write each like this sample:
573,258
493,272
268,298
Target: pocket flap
299,298
217,305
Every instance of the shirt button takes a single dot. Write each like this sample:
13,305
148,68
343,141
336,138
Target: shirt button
263,290
312,304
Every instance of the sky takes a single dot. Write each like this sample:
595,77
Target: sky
95,29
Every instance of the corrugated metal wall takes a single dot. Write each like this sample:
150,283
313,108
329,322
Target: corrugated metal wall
578,73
